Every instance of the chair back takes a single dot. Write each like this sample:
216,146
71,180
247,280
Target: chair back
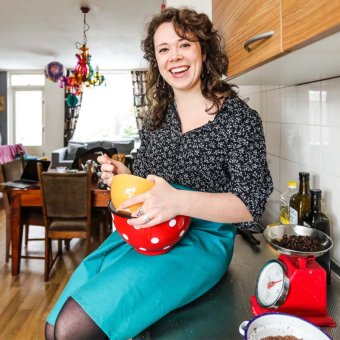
12,170
66,195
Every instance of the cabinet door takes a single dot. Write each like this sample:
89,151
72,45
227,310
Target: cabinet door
240,20
304,21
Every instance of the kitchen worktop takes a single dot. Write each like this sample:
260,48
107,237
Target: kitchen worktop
218,313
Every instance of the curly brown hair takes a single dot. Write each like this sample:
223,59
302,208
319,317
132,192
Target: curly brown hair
189,25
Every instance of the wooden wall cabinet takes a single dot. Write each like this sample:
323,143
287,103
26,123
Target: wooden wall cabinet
293,23
304,22
240,20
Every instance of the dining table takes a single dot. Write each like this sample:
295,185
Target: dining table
32,197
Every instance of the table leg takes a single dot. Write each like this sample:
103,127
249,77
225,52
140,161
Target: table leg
16,233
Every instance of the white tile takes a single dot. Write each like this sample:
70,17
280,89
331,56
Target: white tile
309,146
330,154
289,104
330,186
309,103
272,106
330,102
274,167
269,87
273,138
289,171
256,103
246,91
264,124
289,141
272,211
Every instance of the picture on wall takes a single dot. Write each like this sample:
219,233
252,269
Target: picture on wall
2,103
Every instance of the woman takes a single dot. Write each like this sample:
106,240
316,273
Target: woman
204,149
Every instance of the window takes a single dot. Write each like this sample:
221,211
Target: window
28,117
107,111
27,80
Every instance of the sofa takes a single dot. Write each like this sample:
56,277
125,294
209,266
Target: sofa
65,156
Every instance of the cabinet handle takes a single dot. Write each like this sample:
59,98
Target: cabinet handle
258,37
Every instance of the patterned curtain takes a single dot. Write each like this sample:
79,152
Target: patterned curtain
139,95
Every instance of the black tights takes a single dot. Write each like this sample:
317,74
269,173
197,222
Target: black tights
73,323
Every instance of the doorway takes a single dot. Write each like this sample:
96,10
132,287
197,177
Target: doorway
28,119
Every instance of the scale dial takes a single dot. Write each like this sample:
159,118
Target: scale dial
272,284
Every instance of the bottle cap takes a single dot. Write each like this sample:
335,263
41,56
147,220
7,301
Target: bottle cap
292,185
304,176
316,193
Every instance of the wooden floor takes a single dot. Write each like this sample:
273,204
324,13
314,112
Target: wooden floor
25,300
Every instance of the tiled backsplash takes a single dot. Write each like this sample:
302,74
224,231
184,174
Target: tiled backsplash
302,129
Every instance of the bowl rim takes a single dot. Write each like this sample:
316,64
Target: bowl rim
120,213
282,314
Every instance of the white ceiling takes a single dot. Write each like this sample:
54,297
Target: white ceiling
35,32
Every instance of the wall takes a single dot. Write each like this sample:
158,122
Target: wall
198,5
3,114
302,129
54,111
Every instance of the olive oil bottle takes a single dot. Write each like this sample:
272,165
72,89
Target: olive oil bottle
284,202
300,203
318,220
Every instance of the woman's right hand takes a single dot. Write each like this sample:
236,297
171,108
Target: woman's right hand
111,167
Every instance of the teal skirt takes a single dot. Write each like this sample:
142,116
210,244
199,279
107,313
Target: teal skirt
124,291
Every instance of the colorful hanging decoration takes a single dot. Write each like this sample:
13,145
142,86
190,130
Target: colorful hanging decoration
72,100
54,71
82,74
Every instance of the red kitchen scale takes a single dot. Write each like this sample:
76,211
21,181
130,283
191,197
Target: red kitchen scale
294,283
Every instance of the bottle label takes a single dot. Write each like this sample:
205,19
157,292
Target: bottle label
284,215
293,216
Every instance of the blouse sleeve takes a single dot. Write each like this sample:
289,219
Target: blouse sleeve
250,177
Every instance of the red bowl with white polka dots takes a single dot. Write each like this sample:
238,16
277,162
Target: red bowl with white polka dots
154,240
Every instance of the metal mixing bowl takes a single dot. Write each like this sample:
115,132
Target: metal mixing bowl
277,232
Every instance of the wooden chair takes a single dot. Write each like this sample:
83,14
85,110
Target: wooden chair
29,215
66,210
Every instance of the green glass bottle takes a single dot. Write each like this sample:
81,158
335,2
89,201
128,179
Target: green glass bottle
300,203
318,220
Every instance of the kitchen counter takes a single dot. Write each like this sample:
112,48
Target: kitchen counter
218,313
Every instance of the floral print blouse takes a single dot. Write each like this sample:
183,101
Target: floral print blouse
227,154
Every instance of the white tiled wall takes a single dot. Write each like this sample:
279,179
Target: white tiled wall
302,129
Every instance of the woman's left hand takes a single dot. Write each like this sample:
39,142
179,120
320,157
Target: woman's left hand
158,204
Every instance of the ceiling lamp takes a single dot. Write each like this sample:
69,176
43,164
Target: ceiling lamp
83,73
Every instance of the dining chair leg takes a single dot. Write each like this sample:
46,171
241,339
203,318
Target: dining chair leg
8,238
27,230
60,247
47,258
67,244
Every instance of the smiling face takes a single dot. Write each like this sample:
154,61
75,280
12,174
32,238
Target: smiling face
179,60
